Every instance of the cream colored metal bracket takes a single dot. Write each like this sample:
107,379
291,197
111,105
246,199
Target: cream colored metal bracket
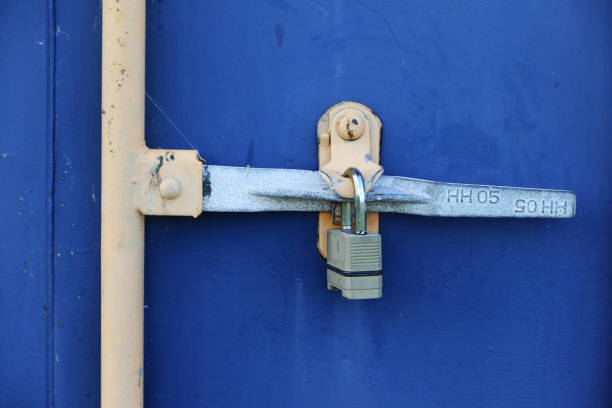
169,183
135,181
349,135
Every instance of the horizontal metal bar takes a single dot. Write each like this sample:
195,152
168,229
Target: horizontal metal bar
247,189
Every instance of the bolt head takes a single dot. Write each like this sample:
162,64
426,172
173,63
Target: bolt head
350,125
170,188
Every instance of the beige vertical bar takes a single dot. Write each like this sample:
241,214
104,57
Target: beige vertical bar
122,241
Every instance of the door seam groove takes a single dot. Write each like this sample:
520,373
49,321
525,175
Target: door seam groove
50,306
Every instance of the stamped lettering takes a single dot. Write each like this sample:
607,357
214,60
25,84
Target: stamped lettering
548,207
470,196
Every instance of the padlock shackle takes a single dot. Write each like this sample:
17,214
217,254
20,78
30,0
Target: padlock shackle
347,218
360,200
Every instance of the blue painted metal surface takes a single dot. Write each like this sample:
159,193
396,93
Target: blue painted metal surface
26,230
500,313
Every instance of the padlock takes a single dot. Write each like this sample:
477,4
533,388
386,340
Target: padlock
354,258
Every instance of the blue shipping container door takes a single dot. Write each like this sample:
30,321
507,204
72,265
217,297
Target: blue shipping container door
474,313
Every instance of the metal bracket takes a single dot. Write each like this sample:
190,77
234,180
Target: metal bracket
169,182
349,135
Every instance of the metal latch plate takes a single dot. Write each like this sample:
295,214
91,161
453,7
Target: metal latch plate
348,135
169,182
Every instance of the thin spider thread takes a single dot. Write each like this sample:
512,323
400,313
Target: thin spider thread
185,138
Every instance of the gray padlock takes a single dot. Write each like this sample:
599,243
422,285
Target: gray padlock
354,257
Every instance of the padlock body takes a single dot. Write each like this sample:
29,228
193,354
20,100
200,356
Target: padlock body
354,264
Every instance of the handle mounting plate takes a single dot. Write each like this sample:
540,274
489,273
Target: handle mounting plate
348,135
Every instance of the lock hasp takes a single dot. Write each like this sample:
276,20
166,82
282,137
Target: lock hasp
349,135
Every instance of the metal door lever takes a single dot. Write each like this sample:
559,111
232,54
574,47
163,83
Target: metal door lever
247,189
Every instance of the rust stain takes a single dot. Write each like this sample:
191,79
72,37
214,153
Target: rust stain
119,16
